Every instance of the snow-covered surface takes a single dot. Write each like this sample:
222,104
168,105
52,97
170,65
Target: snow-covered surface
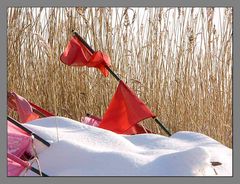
78,149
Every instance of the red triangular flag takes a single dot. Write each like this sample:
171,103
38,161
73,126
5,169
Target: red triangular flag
77,54
95,121
124,111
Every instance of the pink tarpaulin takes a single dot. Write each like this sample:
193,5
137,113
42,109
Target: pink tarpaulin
18,140
91,120
15,165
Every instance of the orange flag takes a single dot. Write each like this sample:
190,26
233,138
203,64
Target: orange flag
77,54
124,111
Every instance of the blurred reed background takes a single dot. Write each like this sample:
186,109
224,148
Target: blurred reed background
178,61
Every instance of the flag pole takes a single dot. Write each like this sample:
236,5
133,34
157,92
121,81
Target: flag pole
117,78
33,169
27,131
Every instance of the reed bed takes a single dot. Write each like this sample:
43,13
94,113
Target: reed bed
177,60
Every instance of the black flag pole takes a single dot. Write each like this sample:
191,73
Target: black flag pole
15,122
117,78
33,169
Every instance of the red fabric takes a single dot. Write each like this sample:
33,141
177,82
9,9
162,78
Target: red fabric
22,106
43,111
18,140
77,54
15,165
137,129
95,121
124,111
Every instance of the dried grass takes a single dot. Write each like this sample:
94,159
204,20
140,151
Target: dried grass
178,60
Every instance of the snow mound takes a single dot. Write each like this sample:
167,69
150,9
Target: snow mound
78,149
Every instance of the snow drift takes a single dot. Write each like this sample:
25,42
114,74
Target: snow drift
78,149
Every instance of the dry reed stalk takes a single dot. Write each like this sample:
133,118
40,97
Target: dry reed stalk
178,60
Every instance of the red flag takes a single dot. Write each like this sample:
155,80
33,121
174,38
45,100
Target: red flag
41,110
124,111
22,106
16,165
77,54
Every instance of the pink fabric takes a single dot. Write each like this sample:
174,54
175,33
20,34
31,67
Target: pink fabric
15,165
23,108
18,140
91,121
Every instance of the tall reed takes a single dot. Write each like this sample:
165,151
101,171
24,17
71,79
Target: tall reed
178,60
